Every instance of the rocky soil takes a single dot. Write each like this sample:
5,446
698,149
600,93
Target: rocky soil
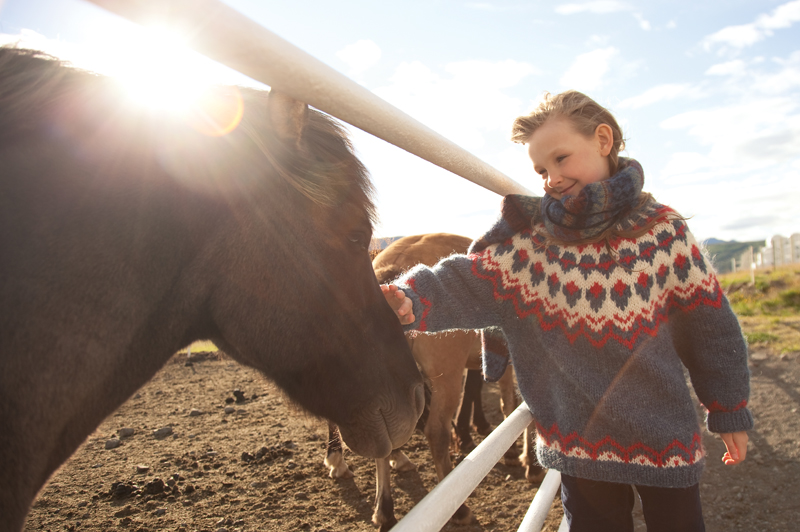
212,446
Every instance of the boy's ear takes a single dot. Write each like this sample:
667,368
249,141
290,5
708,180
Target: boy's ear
605,138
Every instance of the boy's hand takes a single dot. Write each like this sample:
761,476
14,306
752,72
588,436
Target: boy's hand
401,305
736,443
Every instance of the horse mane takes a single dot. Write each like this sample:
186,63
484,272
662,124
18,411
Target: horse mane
323,167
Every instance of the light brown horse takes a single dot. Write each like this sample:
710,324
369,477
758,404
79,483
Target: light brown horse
443,358
125,235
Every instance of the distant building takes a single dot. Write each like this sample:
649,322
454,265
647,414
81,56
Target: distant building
781,250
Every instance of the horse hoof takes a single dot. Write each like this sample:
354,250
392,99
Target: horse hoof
385,527
404,467
535,474
402,463
338,468
466,446
345,473
463,515
483,430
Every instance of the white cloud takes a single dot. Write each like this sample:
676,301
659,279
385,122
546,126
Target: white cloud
688,167
599,6
745,152
660,93
462,103
643,23
360,56
483,6
782,81
750,207
744,35
736,67
587,71
760,131
745,77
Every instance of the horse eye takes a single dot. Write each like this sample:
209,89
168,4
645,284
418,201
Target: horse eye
359,238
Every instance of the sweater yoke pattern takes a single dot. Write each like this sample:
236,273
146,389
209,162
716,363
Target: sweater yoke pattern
587,291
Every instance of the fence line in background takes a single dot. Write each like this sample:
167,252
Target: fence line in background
228,37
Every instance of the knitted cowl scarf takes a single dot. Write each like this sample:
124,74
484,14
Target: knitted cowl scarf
597,207
584,217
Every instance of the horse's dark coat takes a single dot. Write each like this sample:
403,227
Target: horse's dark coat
125,235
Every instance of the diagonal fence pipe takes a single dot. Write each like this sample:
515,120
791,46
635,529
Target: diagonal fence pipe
540,506
433,511
228,37
225,35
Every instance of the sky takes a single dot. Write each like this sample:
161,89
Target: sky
707,93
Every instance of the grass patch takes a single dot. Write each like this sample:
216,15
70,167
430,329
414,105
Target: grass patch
769,310
203,346
760,337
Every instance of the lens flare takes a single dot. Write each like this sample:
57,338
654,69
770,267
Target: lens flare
216,112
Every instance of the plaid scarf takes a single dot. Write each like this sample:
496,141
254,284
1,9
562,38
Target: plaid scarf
597,207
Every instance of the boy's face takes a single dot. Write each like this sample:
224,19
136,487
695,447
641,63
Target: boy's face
568,160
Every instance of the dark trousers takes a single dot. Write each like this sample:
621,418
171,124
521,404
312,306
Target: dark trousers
594,506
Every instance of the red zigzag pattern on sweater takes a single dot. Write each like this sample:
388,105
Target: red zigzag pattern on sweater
586,292
676,454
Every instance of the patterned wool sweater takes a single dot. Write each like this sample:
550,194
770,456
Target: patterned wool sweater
599,343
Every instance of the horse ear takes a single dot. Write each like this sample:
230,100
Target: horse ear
287,116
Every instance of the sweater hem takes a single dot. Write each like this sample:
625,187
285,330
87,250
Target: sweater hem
661,477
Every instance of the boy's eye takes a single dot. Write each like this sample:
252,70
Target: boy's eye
560,158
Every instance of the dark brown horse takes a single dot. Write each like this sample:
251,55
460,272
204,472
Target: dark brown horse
125,235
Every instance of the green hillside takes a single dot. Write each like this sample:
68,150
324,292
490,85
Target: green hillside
721,253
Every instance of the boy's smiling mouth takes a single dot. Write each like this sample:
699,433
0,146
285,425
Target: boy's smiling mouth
562,192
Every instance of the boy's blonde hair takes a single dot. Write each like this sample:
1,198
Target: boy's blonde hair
583,112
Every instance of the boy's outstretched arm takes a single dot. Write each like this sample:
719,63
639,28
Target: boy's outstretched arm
736,443
401,305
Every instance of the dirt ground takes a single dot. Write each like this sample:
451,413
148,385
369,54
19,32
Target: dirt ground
198,459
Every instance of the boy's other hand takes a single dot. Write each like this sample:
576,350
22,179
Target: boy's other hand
736,443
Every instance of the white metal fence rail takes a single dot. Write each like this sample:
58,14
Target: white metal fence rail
225,35
433,512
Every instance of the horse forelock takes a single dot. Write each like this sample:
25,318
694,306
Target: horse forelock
325,169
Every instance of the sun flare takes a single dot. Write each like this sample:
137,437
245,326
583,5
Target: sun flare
159,72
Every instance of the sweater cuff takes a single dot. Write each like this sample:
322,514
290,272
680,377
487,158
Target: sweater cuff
727,422
494,354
